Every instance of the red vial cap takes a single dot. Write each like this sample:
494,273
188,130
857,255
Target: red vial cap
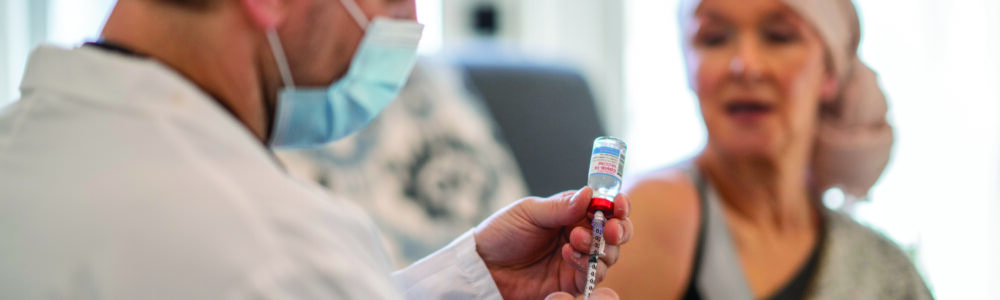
603,204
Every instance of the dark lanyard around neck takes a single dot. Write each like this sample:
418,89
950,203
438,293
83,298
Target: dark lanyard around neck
113,47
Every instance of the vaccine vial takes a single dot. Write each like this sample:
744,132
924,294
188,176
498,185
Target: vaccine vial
607,161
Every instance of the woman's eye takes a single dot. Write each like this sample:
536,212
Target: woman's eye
713,38
780,36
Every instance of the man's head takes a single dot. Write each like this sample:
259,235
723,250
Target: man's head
222,45
319,37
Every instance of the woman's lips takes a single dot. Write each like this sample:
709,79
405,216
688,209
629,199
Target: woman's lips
748,111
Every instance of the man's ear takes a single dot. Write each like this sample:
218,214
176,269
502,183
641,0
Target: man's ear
265,13
406,10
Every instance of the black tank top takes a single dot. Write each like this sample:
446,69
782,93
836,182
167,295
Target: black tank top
794,289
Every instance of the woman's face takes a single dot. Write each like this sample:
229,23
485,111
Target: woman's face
759,72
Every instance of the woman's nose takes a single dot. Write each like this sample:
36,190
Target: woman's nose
747,63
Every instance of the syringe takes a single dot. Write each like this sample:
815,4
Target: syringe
596,251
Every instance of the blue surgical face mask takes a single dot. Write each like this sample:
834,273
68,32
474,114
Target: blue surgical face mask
313,116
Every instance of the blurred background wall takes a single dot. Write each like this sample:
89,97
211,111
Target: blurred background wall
939,61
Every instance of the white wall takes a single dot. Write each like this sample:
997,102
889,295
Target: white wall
429,14
13,47
664,124
939,65
27,23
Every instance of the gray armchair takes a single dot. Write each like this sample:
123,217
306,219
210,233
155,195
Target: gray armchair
546,113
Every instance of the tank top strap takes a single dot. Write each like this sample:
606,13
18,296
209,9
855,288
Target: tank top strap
717,272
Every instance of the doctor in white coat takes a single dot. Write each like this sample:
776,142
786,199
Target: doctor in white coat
139,167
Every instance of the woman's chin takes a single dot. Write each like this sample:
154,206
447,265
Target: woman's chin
749,148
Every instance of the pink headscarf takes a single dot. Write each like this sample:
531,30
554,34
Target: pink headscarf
854,140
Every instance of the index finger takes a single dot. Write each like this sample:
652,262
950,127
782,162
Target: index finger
623,206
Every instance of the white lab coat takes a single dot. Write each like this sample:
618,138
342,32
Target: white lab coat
120,179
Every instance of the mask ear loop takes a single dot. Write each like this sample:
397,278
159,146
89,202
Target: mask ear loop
279,54
280,58
355,11
286,76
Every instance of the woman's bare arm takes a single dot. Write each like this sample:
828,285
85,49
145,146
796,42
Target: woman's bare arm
657,261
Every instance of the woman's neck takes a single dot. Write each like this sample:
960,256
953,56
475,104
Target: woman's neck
766,193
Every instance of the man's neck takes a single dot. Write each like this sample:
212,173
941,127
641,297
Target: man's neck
215,53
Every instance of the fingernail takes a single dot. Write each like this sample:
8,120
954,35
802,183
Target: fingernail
621,229
577,254
576,196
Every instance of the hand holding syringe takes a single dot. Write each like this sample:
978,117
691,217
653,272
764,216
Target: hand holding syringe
606,164
516,244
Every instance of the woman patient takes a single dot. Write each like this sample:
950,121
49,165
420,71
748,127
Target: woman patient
790,111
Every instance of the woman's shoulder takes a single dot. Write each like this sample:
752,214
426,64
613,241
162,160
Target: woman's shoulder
664,183
658,258
667,192
858,261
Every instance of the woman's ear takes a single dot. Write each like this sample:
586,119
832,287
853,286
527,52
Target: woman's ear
265,13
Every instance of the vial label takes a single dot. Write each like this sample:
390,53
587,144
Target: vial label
607,160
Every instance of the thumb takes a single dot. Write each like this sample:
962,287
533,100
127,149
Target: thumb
559,296
600,294
561,209
604,293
